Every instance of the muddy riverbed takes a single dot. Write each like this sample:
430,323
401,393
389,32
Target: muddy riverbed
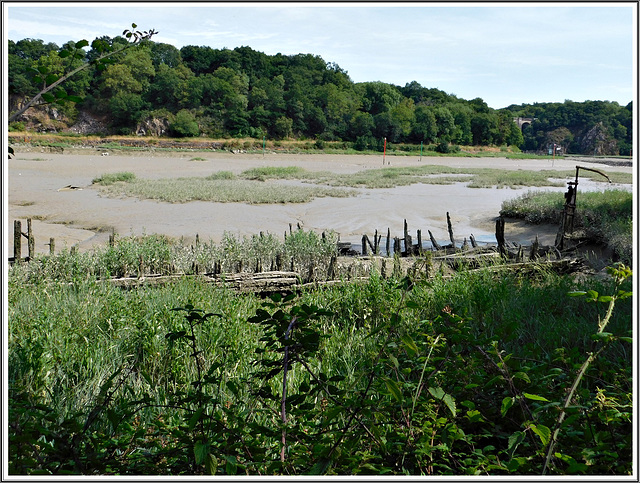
37,184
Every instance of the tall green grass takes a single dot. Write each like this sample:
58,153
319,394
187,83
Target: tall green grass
308,252
65,341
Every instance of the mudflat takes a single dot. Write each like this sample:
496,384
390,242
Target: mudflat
55,191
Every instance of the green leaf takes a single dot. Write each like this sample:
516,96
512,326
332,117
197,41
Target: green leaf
43,70
195,418
578,293
211,464
231,467
451,404
602,336
437,392
543,432
64,53
82,43
51,78
514,441
200,451
592,295
534,397
74,98
48,97
393,388
522,375
507,402
320,467
605,298
410,345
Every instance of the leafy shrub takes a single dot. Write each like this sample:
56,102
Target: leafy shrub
17,126
184,124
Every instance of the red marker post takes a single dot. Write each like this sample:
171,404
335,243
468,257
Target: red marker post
384,152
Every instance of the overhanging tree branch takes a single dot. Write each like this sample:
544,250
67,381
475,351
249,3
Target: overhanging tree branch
135,38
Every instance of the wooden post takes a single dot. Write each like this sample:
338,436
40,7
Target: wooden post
419,242
364,245
435,244
534,249
407,240
112,239
465,245
197,239
31,243
17,240
376,241
500,235
396,247
453,243
473,241
52,246
331,272
388,241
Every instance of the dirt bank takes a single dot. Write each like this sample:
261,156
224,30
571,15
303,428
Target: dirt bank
81,216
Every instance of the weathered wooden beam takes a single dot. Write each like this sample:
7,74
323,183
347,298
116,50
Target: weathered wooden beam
388,241
435,244
450,228
31,242
500,235
17,240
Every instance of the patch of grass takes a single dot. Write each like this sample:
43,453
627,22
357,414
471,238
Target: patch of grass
221,175
605,216
109,179
275,172
224,186
182,190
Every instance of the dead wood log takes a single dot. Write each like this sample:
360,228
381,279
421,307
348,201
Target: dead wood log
450,228
435,244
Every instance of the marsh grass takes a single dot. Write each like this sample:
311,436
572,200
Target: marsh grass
606,217
260,185
220,190
109,179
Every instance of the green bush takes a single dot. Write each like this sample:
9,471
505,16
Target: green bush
185,124
17,126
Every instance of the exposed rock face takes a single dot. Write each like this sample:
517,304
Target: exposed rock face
598,142
153,127
88,124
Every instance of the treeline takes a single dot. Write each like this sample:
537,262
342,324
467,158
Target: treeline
157,89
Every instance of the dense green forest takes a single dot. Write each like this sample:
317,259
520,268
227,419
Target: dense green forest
157,89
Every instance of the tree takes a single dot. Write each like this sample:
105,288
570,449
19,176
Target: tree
48,81
424,127
185,124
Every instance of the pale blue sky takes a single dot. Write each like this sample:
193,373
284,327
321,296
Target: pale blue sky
505,53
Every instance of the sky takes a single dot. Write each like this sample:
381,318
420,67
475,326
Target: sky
504,53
